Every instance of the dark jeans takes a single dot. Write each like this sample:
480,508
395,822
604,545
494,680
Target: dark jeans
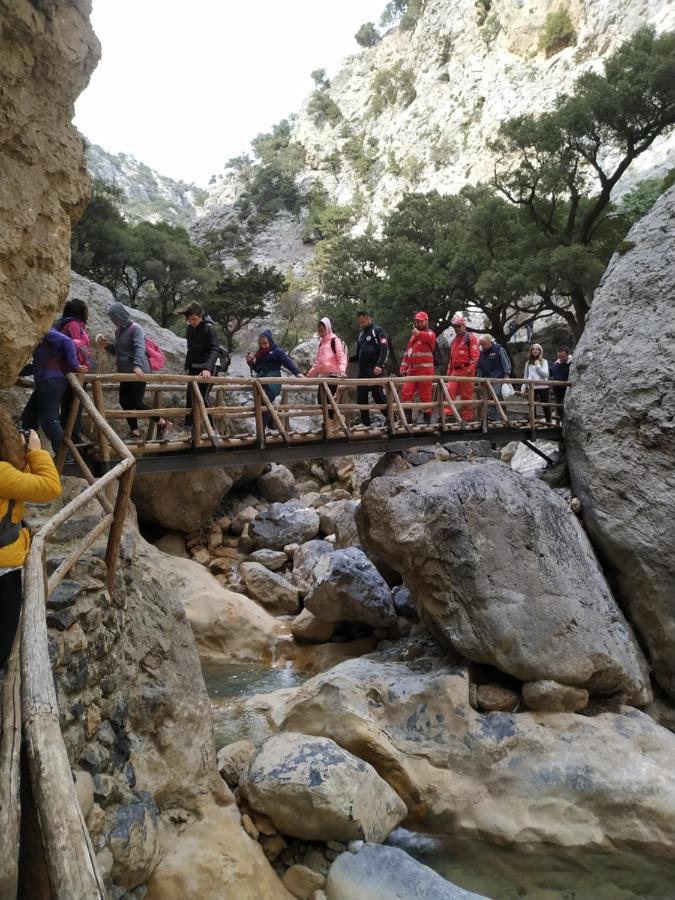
131,397
66,403
362,392
204,390
559,394
272,391
43,410
541,395
10,607
333,389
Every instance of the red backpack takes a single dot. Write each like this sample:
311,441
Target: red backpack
155,356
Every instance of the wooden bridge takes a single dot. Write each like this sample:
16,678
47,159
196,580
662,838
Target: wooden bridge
45,848
315,417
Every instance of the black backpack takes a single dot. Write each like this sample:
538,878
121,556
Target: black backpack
223,362
438,356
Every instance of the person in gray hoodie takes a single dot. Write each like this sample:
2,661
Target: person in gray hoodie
128,348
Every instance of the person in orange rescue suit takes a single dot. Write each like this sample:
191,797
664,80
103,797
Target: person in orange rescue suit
418,359
464,356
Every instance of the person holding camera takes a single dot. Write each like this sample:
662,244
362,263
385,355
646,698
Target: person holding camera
27,474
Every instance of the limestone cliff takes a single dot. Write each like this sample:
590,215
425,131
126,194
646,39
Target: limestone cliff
416,111
47,53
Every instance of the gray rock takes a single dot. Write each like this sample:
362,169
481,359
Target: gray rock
269,589
284,523
133,842
305,560
554,697
387,873
404,603
346,532
276,484
313,789
271,559
619,431
233,759
505,574
348,587
306,627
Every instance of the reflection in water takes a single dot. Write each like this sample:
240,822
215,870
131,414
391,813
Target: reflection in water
226,684
542,872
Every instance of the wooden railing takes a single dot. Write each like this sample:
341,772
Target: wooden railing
241,408
69,859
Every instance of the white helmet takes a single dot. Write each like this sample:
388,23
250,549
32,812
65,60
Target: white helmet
458,319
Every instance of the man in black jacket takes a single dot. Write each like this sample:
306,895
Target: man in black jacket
372,350
203,350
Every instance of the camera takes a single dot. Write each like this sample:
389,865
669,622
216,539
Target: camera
26,434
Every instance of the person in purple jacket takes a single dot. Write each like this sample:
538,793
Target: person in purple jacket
53,358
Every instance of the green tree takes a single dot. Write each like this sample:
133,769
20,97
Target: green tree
562,166
367,35
240,298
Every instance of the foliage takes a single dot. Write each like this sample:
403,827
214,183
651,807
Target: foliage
367,35
323,109
638,201
562,166
404,13
319,78
240,298
558,32
333,162
362,153
491,29
391,87
412,169
483,8
325,219
295,315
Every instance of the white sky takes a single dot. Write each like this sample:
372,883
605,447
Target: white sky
184,85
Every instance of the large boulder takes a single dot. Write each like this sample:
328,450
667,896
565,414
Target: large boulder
619,433
305,560
313,789
276,484
348,588
375,872
47,53
533,778
505,574
284,523
269,589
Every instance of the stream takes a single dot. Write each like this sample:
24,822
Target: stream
500,873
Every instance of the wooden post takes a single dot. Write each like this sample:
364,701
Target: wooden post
259,422
500,409
196,419
530,402
485,405
438,387
70,424
152,425
10,772
119,518
265,400
391,412
399,407
104,446
203,412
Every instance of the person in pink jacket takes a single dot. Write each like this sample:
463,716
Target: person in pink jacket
331,359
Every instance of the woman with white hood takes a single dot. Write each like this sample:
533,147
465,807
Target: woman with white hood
536,369
331,359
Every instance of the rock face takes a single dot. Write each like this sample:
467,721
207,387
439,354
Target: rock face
284,523
313,789
505,573
348,587
387,873
560,778
47,53
619,431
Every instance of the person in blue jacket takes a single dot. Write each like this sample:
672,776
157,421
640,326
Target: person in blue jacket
54,357
268,362
494,362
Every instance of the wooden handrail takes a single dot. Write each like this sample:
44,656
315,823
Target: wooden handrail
70,857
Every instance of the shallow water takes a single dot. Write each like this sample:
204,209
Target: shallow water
542,872
500,873
226,684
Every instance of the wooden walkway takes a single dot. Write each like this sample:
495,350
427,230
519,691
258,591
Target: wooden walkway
313,418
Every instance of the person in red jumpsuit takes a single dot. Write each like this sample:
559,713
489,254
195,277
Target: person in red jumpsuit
464,356
418,359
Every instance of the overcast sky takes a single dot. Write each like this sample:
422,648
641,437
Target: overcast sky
184,85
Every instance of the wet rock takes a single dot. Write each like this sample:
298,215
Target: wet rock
305,561
306,627
269,589
500,566
232,759
554,697
313,789
284,523
387,873
271,559
348,587
302,882
276,484
495,698
619,431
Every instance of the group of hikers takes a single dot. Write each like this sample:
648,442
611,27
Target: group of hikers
67,347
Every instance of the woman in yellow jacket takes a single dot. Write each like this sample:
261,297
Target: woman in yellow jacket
27,473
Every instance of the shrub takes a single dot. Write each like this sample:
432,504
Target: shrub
412,169
558,32
402,12
362,153
391,87
368,35
491,29
323,109
483,8
318,76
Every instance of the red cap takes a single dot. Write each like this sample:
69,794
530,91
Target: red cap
422,315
